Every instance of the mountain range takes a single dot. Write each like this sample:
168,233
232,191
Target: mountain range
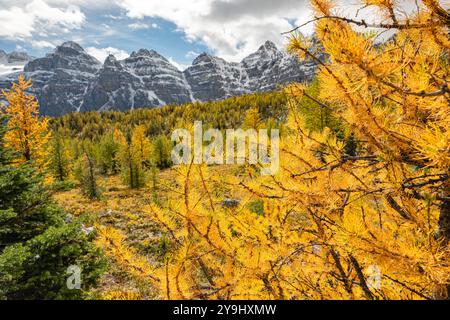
69,79
13,62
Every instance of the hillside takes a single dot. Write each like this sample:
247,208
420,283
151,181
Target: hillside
336,188
228,113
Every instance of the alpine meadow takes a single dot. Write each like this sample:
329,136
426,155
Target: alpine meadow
356,206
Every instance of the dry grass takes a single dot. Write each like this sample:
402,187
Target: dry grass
123,209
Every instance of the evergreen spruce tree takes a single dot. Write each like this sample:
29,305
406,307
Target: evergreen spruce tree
162,153
86,175
37,245
59,160
107,154
134,155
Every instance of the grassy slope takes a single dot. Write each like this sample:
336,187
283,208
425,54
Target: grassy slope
123,209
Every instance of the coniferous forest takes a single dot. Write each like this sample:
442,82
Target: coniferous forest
92,205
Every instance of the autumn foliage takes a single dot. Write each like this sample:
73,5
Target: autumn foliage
28,133
360,208
362,213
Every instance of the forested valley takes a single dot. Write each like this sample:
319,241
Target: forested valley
359,209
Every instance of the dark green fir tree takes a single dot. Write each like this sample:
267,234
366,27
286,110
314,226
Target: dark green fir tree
41,247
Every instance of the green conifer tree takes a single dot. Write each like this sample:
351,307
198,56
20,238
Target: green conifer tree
85,172
38,243
59,159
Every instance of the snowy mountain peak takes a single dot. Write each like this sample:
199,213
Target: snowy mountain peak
111,61
268,46
13,62
3,57
147,53
68,56
69,79
204,58
16,57
267,51
72,45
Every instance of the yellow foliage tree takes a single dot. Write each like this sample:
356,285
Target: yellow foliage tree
134,156
388,207
28,133
374,224
252,119
142,148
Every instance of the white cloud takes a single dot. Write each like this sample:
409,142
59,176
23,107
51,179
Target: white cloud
179,66
102,53
97,4
8,68
235,28
141,25
113,17
42,44
192,54
232,28
20,19
15,23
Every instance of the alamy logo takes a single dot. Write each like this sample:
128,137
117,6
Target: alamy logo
374,277
231,151
74,280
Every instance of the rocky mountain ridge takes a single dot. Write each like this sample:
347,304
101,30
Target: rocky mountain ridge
69,79
13,61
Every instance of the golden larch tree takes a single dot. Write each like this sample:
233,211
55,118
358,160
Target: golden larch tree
28,133
369,223
134,156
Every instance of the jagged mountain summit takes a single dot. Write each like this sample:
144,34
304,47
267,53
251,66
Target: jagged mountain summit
13,62
61,79
69,79
144,79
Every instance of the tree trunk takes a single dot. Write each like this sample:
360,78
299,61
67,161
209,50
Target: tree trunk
443,292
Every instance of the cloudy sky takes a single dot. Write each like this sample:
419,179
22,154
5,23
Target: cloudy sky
178,29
